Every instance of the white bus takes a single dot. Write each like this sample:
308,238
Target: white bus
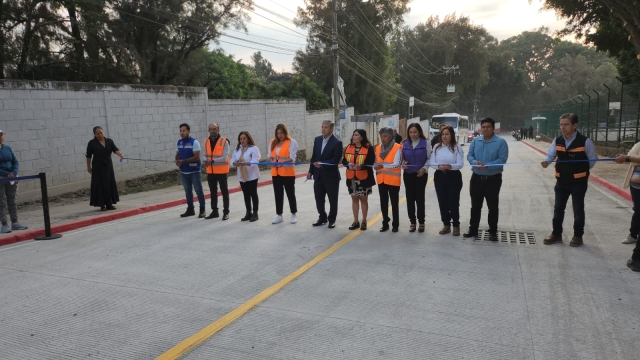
460,124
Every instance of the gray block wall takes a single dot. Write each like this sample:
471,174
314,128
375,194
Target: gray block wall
48,125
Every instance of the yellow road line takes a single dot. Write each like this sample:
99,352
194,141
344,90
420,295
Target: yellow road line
194,340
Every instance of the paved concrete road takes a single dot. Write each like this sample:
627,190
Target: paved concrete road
137,287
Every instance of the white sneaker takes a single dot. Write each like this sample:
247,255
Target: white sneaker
629,240
277,220
294,219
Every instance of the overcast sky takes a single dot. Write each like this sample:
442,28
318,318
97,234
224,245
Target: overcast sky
502,18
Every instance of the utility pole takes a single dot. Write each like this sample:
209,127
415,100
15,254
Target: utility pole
334,47
451,70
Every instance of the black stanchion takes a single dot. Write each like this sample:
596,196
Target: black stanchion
45,208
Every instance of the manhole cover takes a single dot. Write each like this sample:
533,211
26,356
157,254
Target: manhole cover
509,237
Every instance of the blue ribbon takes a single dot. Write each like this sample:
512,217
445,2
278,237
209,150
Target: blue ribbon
19,178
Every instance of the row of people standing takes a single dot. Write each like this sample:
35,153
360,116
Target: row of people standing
413,155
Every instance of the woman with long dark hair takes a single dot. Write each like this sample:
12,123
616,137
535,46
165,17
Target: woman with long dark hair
448,159
416,151
104,192
358,159
244,159
284,150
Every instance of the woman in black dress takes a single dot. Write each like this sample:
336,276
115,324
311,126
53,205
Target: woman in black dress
104,192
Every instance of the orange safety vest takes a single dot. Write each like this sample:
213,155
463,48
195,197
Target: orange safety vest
350,156
285,169
220,165
388,176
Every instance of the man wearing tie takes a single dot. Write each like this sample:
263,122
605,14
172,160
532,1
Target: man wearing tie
326,149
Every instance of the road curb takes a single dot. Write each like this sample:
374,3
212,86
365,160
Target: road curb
99,219
596,179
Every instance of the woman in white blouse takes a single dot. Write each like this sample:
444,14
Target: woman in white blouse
245,158
448,158
284,150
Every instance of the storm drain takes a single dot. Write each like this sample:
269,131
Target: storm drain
509,237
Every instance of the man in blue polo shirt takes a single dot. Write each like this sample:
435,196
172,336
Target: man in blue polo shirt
485,152
188,160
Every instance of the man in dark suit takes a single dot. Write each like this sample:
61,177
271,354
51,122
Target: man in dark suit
326,149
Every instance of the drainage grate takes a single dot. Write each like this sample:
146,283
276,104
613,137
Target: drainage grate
508,237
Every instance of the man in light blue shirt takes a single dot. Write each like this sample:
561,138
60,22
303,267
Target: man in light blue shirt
486,154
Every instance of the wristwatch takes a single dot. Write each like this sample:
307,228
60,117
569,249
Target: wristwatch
628,158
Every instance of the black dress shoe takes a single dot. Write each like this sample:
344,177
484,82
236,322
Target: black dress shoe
332,225
384,227
202,214
246,217
211,216
189,212
355,225
493,237
470,234
225,217
319,223
394,229
254,217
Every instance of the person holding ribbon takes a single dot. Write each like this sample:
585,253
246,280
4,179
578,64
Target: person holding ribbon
448,158
325,158
632,180
575,153
416,151
8,189
284,150
104,192
188,160
359,158
216,149
245,159
487,155
388,174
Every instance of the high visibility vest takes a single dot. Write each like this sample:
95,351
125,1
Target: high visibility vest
220,165
388,176
572,171
285,169
350,156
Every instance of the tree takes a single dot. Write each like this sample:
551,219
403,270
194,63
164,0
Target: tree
366,65
421,51
109,40
261,67
592,19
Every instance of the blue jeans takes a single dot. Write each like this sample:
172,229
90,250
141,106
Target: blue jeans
194,181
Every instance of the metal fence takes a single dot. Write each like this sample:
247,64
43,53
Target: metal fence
610,117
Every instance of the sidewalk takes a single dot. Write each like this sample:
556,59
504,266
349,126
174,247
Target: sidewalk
77,214
607,174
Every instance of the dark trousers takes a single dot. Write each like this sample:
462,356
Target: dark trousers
448,186
250,192
330,190
634,230
481,188
414,187
577,191
192,182
282,184
214,180
386,192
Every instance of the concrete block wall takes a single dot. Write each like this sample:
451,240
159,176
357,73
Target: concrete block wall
48,125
